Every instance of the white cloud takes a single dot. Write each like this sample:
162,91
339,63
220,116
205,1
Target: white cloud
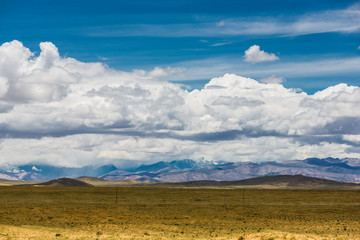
4,86
220,44
220,23
255,55
272,80
35,169
159,73
25,78
65,112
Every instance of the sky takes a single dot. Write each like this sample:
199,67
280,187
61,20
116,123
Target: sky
99,82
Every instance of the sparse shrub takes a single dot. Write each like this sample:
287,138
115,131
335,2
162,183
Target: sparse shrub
241,238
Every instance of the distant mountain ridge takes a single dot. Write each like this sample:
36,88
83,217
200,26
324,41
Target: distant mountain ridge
183,164
330,162
151,172
176,165
346,170
35,172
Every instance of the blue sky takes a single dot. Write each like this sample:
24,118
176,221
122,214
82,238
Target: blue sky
130,35
96,82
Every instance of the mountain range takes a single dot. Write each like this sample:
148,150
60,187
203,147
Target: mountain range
346,170
265,182
34,172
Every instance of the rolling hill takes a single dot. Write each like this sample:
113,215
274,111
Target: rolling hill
64,182
271,182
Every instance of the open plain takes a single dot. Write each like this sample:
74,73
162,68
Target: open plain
30,212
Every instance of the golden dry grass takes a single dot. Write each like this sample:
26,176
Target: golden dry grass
177,213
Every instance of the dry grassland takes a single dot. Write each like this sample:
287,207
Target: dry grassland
177,213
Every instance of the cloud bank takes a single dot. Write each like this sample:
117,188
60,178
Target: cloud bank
61,111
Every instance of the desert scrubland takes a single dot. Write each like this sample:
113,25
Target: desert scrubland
30,212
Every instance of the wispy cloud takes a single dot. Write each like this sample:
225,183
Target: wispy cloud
343,20
220,44
103,58
322,66
220,23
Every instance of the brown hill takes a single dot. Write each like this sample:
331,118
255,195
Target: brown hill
276,181
65,182
296,181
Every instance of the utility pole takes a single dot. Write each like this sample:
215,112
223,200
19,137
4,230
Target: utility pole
224,196
243,196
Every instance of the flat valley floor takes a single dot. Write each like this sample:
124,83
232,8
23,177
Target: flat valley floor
28,212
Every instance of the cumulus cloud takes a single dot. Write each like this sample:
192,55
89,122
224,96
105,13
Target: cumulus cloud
25,78
62,111
4,86
255,55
